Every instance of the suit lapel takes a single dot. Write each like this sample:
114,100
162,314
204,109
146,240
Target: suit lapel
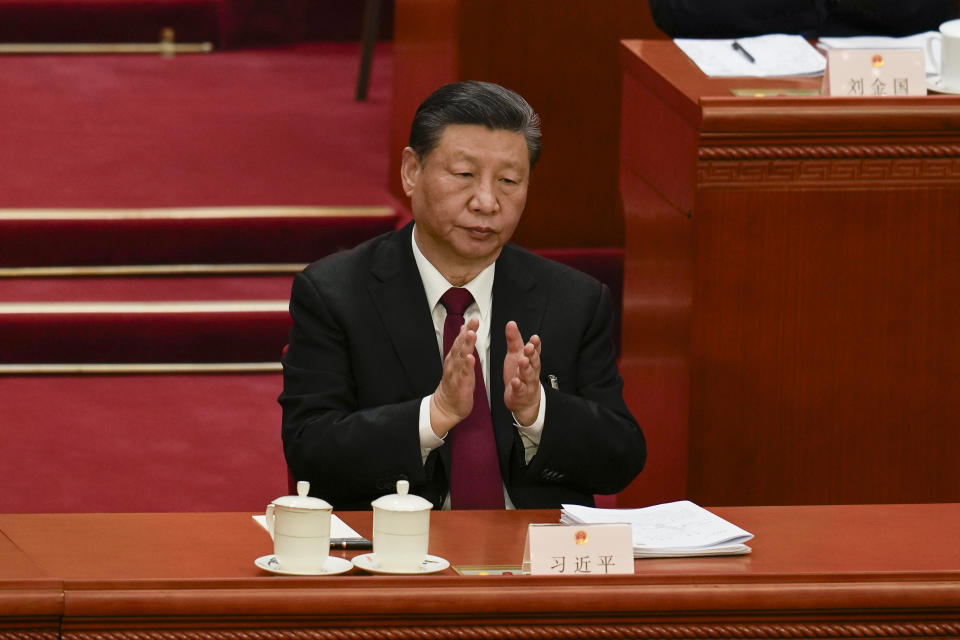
397,293
516,296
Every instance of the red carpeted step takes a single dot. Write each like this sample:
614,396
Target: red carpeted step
186,442
51,21
130,319
146,319
180,319
213,235
243,128
268,22
169,288
224,23
237,331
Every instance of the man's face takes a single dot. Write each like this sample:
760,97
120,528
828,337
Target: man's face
467,195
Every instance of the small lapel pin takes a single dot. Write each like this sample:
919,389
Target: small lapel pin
553,382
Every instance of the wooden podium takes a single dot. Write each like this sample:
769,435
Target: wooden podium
792,289
816,572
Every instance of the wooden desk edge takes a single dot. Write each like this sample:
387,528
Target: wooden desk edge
709,104
509,597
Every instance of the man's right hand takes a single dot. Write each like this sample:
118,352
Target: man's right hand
453,399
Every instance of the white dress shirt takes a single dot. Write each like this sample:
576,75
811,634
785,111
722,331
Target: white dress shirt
481,287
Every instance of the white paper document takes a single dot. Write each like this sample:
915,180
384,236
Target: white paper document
672,529
916,41
769,56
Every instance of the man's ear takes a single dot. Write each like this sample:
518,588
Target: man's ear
409,170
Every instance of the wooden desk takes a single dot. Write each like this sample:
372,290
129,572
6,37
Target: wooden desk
816,572
791,289
31,601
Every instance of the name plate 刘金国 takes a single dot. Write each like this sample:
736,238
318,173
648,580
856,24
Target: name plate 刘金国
582,549
875,73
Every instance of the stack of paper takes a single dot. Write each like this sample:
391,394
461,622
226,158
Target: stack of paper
769,56
673,529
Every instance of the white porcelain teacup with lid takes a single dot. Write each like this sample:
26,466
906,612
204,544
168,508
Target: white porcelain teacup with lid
401,530
300,528
948,60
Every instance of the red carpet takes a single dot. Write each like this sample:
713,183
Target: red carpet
145,289
184,236
267,127
109,20
224,23
252,127
141,443
209,318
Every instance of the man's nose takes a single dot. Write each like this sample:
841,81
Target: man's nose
484,198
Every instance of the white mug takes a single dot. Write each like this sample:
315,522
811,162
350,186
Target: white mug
300,528
946,57
401,530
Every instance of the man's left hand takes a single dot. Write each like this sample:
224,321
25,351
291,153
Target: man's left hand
521,375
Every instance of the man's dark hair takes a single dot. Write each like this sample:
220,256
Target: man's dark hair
482,103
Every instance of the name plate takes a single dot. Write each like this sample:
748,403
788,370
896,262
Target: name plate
586,549
875,72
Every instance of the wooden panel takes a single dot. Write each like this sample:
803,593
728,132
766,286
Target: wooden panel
425,56
657,196
824,279
562,57
825,363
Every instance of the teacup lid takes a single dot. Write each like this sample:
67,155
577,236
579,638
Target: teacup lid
302,500
402,500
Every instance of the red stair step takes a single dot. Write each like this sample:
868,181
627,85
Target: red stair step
186,442
109,20
212,235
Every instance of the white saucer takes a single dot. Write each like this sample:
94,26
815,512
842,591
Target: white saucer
936,84
368,562
333,566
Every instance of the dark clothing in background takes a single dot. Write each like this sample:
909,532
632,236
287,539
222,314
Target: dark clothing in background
809,18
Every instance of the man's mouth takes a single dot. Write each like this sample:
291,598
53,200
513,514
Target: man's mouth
479,233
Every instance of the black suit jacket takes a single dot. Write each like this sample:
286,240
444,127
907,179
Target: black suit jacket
363,354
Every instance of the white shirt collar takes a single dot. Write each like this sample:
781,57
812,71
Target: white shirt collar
435,285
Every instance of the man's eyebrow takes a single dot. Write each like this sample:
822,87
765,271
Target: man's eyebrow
464,154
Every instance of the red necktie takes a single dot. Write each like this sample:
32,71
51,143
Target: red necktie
475,472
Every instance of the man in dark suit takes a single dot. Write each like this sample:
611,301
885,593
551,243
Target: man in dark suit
370,398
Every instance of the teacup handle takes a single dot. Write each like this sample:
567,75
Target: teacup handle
271,518
932,54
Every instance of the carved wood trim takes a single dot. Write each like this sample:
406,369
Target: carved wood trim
28,634
912,629
820,172
789,151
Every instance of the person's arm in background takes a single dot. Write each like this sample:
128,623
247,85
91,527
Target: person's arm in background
736,18
887,17
810,18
